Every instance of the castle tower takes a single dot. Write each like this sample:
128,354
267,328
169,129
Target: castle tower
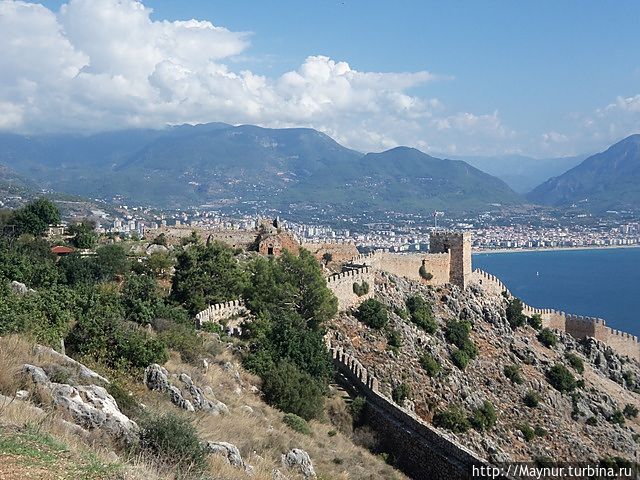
458,245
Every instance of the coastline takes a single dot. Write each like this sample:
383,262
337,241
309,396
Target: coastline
550,249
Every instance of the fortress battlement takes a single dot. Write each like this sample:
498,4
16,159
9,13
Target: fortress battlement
351,273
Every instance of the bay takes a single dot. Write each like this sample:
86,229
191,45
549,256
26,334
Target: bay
601,283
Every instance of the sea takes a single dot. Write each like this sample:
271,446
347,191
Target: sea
602,283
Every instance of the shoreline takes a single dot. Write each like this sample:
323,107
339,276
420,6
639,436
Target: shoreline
550,249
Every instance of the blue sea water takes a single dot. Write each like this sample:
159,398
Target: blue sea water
601,283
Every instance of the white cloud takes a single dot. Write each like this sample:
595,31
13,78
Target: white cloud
105,64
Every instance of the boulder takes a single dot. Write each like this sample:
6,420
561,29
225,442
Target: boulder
300,460
20,288
228,451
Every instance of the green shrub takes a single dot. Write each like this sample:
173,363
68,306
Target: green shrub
514,373
424,274
540,431
547,338
460,358
126,403
394,339
515,317
361,289
617,417
296,423
184,340
561,379
357,408
593,421
535,321
401,312
458,333
430,364
400,393
576,362
532,399
484,417
453,419
630,411
173,440
528,432
372,313
421,313
292,390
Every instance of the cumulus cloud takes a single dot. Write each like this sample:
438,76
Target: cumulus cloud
105,64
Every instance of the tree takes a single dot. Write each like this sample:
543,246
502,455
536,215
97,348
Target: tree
84,234
515,317
206,274
291,282
547,338
111,261
141,298
160,240
159,264
35,217
421,313
484,417
372,313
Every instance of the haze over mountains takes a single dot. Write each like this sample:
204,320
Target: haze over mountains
221,165
606,180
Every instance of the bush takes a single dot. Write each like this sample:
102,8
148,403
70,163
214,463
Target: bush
532,399
430,364
361,289
460,359
424,274
421,314
372,313
457,333
561,379
296,423
513,373
293,391
630,411
593,421
394,339
547,338
576,362
528,432
185,340
540,431
172,439
617,417
357,409
484,418
453,419
535,321
515,317
400,393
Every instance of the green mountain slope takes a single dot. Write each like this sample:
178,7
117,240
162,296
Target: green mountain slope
225,165
607,180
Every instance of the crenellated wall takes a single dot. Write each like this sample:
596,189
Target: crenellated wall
341,284
575,325
223,311
408,265
418,449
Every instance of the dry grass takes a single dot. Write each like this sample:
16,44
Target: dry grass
258,432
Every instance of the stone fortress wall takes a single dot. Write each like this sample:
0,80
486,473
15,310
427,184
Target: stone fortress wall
342,284
419,449
575,325
219,312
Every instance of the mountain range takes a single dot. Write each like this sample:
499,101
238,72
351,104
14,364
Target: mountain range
609,180
289,169
220,164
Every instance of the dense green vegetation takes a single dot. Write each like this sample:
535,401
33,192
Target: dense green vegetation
458,333
547,338
102,305
515,317
372,313
561,379
421,313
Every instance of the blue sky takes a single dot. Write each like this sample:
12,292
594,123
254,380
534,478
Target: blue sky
540,78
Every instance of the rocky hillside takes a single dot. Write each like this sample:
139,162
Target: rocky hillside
62,420
591,413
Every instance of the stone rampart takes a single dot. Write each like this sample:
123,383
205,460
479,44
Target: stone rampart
342,286
575,325
419,449
223,311
408,265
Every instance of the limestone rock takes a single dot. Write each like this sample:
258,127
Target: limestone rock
20,288
300,460
228,451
